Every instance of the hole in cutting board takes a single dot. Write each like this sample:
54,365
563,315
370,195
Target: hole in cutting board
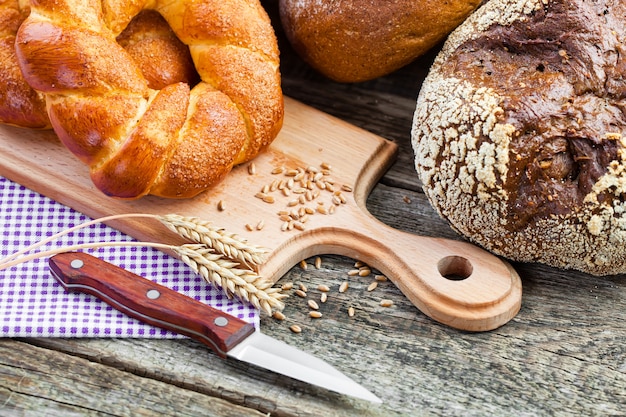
455,268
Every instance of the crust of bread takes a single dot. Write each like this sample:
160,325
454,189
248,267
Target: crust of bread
470,156
356,40
148,37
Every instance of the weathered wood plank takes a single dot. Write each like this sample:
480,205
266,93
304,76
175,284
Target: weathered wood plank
38,381
548,356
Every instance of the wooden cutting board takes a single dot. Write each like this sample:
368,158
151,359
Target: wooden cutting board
453,282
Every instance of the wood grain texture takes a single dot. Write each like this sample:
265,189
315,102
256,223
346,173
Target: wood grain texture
53,384
562,355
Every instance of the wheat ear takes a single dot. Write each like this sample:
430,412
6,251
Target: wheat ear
201,231
224,273
201,256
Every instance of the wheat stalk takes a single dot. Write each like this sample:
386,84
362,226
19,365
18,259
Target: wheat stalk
49,239
201,231
200,257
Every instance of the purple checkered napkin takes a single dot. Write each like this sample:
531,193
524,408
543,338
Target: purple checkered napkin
33,303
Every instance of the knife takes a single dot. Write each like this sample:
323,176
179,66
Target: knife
226,335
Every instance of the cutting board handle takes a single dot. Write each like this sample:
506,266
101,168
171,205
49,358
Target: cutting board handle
454,282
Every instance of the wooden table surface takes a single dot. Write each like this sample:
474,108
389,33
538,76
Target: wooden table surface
563,354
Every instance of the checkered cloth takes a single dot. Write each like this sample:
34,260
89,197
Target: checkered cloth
33,303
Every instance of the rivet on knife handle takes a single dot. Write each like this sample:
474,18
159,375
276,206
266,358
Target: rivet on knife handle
149,302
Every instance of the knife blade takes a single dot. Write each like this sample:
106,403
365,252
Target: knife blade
226,335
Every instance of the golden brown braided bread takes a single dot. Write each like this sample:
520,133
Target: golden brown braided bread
173,142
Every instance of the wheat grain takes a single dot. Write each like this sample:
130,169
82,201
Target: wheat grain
323,288
364,272
278,315
386,303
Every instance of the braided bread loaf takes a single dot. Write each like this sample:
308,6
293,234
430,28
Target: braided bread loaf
174,142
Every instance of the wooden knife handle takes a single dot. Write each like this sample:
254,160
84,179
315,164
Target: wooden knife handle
149,302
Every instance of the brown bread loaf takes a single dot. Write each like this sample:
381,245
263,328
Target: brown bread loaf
519,132
358,40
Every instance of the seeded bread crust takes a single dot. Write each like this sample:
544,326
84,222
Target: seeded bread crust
175,142
519,132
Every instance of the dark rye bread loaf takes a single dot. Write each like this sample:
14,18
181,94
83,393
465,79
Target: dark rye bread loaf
519,132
